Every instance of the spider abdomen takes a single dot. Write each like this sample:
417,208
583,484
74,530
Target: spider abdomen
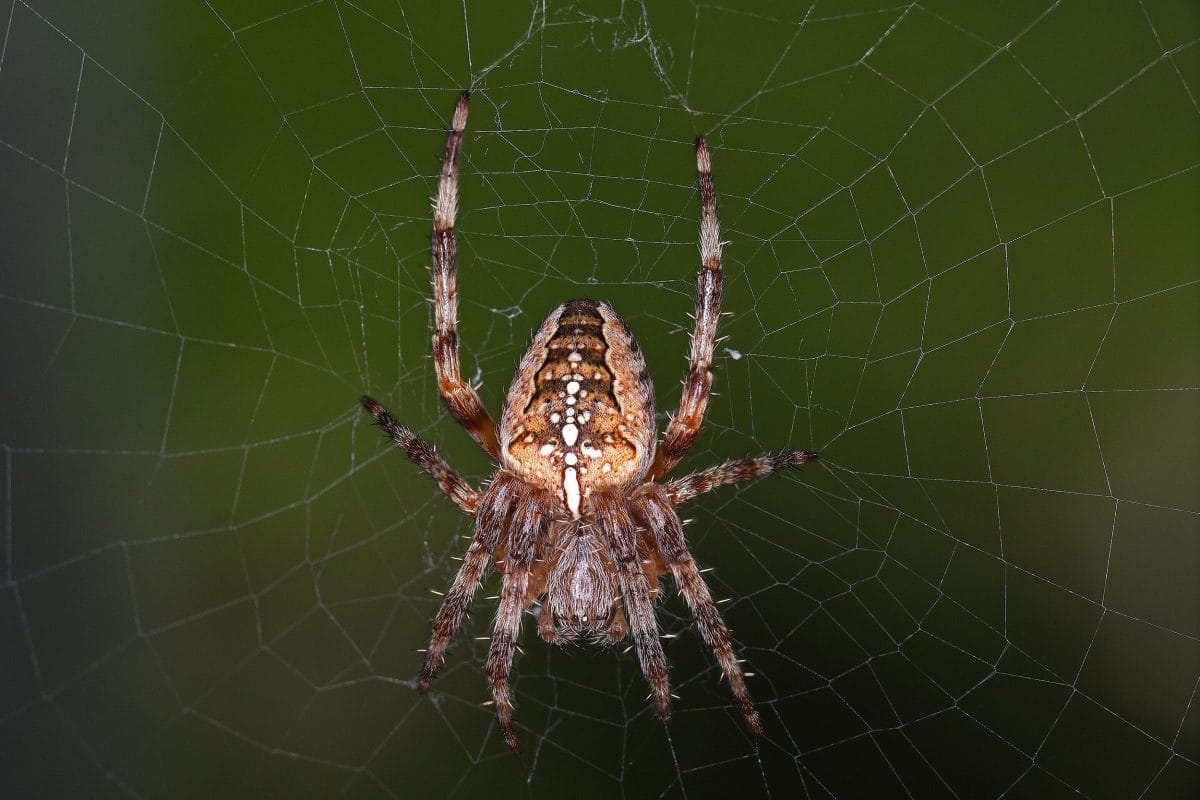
580,413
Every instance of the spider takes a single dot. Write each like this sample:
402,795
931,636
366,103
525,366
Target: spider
575,517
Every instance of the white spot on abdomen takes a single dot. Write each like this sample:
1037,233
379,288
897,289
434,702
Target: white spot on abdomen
570,433
571,490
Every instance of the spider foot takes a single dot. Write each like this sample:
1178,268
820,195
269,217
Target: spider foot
510,738
662,705
752,718
426,678
798,457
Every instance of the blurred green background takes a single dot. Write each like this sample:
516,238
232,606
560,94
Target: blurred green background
964,263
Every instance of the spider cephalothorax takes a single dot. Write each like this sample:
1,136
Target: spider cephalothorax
574,517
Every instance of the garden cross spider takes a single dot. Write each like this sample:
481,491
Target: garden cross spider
574,517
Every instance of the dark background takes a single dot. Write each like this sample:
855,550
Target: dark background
964,263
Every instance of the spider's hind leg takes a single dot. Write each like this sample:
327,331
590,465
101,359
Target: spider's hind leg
531,518
504,640
655,511
491,524
454,608
621,539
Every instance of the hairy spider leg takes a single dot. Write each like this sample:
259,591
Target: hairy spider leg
423,454
619,533
656,512
530,524
461,398
684,427
683,489
492,520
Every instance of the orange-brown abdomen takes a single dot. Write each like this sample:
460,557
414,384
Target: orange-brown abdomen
580,414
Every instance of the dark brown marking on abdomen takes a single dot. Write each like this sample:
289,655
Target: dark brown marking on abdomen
577,348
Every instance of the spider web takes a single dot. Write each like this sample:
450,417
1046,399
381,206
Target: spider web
963,265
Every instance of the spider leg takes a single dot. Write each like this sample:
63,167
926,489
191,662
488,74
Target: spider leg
424,456
494,509
504,638
657,513
620,534
454,608
684,427
460,397
529,523
687,487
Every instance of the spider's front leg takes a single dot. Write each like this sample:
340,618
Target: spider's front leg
424,456
685,426
462,400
